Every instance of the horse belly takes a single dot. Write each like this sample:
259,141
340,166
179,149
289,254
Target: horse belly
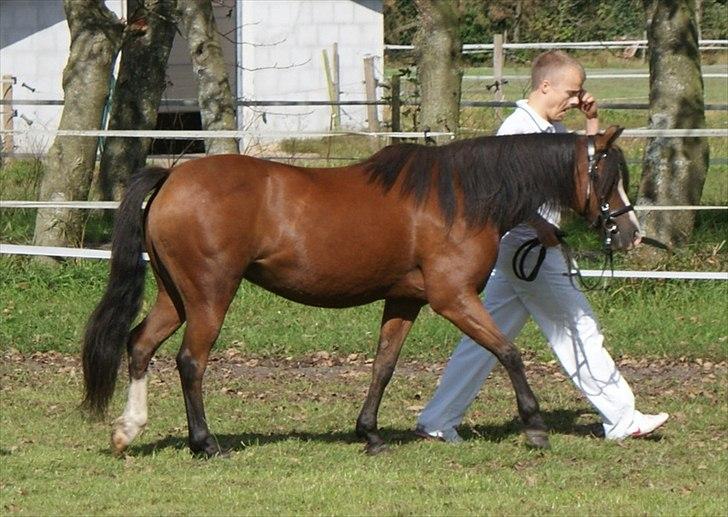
328,283
335,263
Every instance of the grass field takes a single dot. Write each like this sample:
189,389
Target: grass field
289,425
45,309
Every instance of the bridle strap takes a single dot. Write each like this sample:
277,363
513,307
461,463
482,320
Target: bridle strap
606,216
623,210
591,153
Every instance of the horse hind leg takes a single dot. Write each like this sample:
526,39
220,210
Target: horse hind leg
161,322
207,297
397,321
202,330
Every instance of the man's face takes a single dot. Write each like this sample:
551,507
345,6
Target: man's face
562,92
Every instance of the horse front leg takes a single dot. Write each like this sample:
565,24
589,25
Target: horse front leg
466,312
397,320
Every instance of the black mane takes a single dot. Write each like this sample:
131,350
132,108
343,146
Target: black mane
501,179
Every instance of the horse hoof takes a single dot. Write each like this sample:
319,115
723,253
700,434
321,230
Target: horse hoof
537,439
209,450
119,443
210,454
119,439
372,449
123,433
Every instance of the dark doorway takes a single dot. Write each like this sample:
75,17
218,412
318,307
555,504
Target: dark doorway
178,121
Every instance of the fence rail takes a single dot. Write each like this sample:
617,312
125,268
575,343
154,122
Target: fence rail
407,102
627,75
704,44
13,249
205,134
52,251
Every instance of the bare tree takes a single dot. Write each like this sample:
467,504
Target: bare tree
215,98
138,91
438,49
96,36
673,168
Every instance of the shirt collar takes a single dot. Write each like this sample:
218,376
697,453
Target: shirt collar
543,125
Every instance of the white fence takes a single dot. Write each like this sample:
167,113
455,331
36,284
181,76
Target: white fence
14,249
704,44
51,251
202,134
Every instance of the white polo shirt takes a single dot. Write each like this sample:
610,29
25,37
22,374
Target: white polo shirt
525,120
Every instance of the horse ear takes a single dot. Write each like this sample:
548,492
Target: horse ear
610,135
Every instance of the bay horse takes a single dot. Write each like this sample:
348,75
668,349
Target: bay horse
411,225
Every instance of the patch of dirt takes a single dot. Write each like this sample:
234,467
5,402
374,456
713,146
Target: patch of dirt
231,363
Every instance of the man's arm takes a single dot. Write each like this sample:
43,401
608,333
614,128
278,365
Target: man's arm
548,234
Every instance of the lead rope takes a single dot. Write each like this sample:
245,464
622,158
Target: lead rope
578,281
519,259
573,271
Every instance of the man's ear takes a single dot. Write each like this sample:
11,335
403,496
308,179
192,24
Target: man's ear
606,139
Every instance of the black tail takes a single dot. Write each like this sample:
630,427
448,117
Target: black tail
108,328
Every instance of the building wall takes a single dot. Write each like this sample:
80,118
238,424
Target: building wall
34,46
282,44
278,44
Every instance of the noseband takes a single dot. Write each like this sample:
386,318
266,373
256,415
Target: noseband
606,216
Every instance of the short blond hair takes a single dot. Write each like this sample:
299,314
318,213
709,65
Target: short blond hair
550,62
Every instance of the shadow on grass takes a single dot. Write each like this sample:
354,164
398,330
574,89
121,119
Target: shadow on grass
558,421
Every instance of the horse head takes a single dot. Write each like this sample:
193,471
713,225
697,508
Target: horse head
603,180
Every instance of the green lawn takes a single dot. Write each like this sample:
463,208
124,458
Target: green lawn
290,429
45,309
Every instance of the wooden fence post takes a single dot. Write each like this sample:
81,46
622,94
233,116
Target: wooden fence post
332,82
371,90
498,58
337,85
370,83
6,83
396,101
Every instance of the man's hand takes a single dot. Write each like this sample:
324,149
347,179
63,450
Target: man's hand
547,233
588,105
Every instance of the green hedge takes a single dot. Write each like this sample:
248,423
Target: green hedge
547,20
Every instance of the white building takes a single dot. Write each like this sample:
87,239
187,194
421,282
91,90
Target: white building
273,47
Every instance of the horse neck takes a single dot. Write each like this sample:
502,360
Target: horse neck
582,186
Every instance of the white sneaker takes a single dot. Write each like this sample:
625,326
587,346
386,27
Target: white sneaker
647,424
444,435
642,425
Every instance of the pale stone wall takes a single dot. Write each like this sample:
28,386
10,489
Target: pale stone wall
277,44
34,46
282,44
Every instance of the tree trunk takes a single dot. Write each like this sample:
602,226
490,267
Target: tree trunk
438,53
217,105
96,35
138,92
673,168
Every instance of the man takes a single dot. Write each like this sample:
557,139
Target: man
561,311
